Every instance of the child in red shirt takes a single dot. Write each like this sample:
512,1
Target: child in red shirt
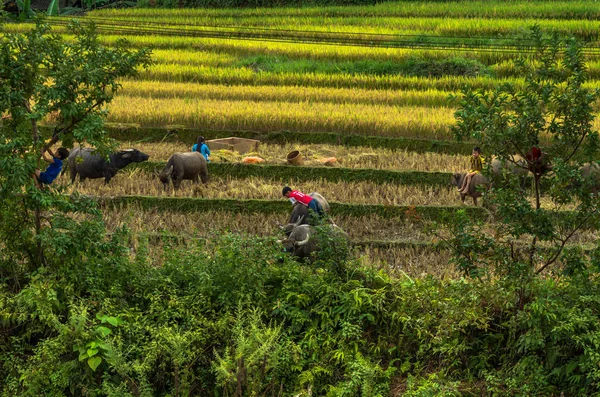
303,199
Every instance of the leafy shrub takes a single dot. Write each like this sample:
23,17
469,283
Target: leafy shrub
237,314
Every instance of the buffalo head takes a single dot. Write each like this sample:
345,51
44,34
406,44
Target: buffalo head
134,155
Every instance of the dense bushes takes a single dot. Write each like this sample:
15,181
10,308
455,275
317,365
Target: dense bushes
238,316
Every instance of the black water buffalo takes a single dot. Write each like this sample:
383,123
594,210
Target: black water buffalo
186,165
88,164
304,241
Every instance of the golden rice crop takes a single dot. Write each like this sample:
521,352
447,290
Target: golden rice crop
246,76
346,156
487,9
169,90
437,26
241,48
267,116
181,57
138,183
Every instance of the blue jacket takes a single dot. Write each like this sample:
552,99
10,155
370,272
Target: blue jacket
48,176
203,149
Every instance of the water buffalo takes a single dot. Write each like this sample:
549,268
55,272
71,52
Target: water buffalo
477,180
518,167
186,165
590,172
95,166
304,241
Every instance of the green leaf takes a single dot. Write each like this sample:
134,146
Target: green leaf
94,362
92,352
114,321
53,9
104,331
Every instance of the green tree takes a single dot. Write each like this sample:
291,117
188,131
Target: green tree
46,79
552,110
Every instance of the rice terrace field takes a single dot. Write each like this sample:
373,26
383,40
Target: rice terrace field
368,85
135,289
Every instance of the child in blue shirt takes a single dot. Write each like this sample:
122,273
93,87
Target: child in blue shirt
201,147
53,170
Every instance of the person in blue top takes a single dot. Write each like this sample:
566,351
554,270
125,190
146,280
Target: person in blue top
56,163
201,147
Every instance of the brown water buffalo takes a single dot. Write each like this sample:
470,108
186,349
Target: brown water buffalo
477,180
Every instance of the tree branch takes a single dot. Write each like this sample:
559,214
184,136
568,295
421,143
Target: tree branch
554,257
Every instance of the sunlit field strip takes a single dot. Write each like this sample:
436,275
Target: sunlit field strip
168,90
138,183
247,76
265,116
242,48
293,50
176,58
455,9
349,157
173,57
199,58
437,26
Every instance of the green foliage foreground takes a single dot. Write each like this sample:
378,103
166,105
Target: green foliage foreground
240,318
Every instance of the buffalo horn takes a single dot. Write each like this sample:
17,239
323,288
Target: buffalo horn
303,242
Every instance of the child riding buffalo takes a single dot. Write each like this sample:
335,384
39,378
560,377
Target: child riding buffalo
304,199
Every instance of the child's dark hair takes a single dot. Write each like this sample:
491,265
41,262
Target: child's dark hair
285,190
63,153
200,141
477,149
